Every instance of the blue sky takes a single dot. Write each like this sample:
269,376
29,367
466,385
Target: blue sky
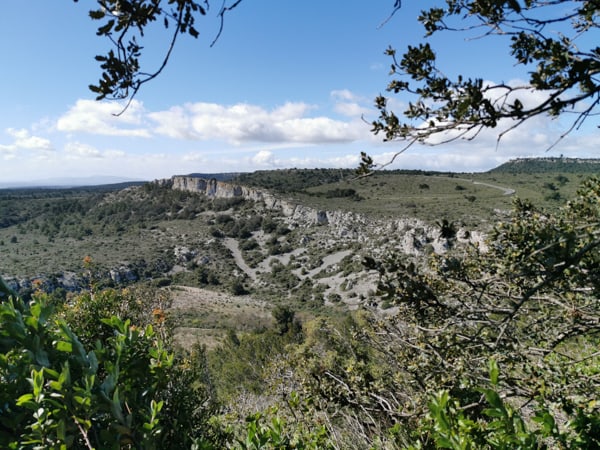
287,85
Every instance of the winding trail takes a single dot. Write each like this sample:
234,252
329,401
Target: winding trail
329,260
233,246
507,191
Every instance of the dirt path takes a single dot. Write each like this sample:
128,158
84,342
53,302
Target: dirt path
507,191
329,260
265,266
234,248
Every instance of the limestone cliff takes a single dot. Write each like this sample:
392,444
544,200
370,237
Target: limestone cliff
411,235
220,189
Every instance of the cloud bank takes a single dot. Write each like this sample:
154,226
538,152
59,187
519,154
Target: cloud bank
243,123
90,138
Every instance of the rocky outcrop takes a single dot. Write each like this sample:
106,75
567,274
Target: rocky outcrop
412,236
220,189
212,188
69,281
123,275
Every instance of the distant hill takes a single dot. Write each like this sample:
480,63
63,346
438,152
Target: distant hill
71,182
542,165
293,180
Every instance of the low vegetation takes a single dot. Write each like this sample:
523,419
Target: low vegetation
242,329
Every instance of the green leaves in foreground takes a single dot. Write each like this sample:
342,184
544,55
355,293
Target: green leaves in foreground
269,431
54,394
498,425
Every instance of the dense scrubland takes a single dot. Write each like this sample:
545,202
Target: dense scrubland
443,310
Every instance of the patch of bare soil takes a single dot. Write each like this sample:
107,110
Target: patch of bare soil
203,316
234,248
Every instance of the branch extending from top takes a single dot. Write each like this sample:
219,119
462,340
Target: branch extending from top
224,9
445,109
124,23
397,6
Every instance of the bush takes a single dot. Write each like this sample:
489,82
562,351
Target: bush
162,282
553,196
269,225
238,288
334,298
249,244
215,232
120,386
125,390
496,424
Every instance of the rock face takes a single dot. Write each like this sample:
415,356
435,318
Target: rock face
220,189
299,214
70,281
212,188
411,235
123,274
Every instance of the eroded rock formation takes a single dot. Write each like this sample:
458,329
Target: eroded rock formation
411,235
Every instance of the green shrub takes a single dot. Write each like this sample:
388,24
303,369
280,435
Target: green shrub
493,423
125,390
238,288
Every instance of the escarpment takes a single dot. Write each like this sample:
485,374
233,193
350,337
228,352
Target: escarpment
220,189
411,235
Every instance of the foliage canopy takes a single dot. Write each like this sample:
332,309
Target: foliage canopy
125,22
551,40
100,373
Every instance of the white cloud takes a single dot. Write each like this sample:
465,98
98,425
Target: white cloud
174,123
291,110
22,140
349,104
196,157
268,160
102,118
244,123
82,151
210,137
351,109
264,158
113,154
344,95
79,150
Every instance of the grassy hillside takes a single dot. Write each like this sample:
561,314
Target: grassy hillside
544,165
473,199
235,247
51,230
373,311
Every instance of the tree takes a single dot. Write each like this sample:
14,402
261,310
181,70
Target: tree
562,65
118,386
125,22
284,318
529,302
